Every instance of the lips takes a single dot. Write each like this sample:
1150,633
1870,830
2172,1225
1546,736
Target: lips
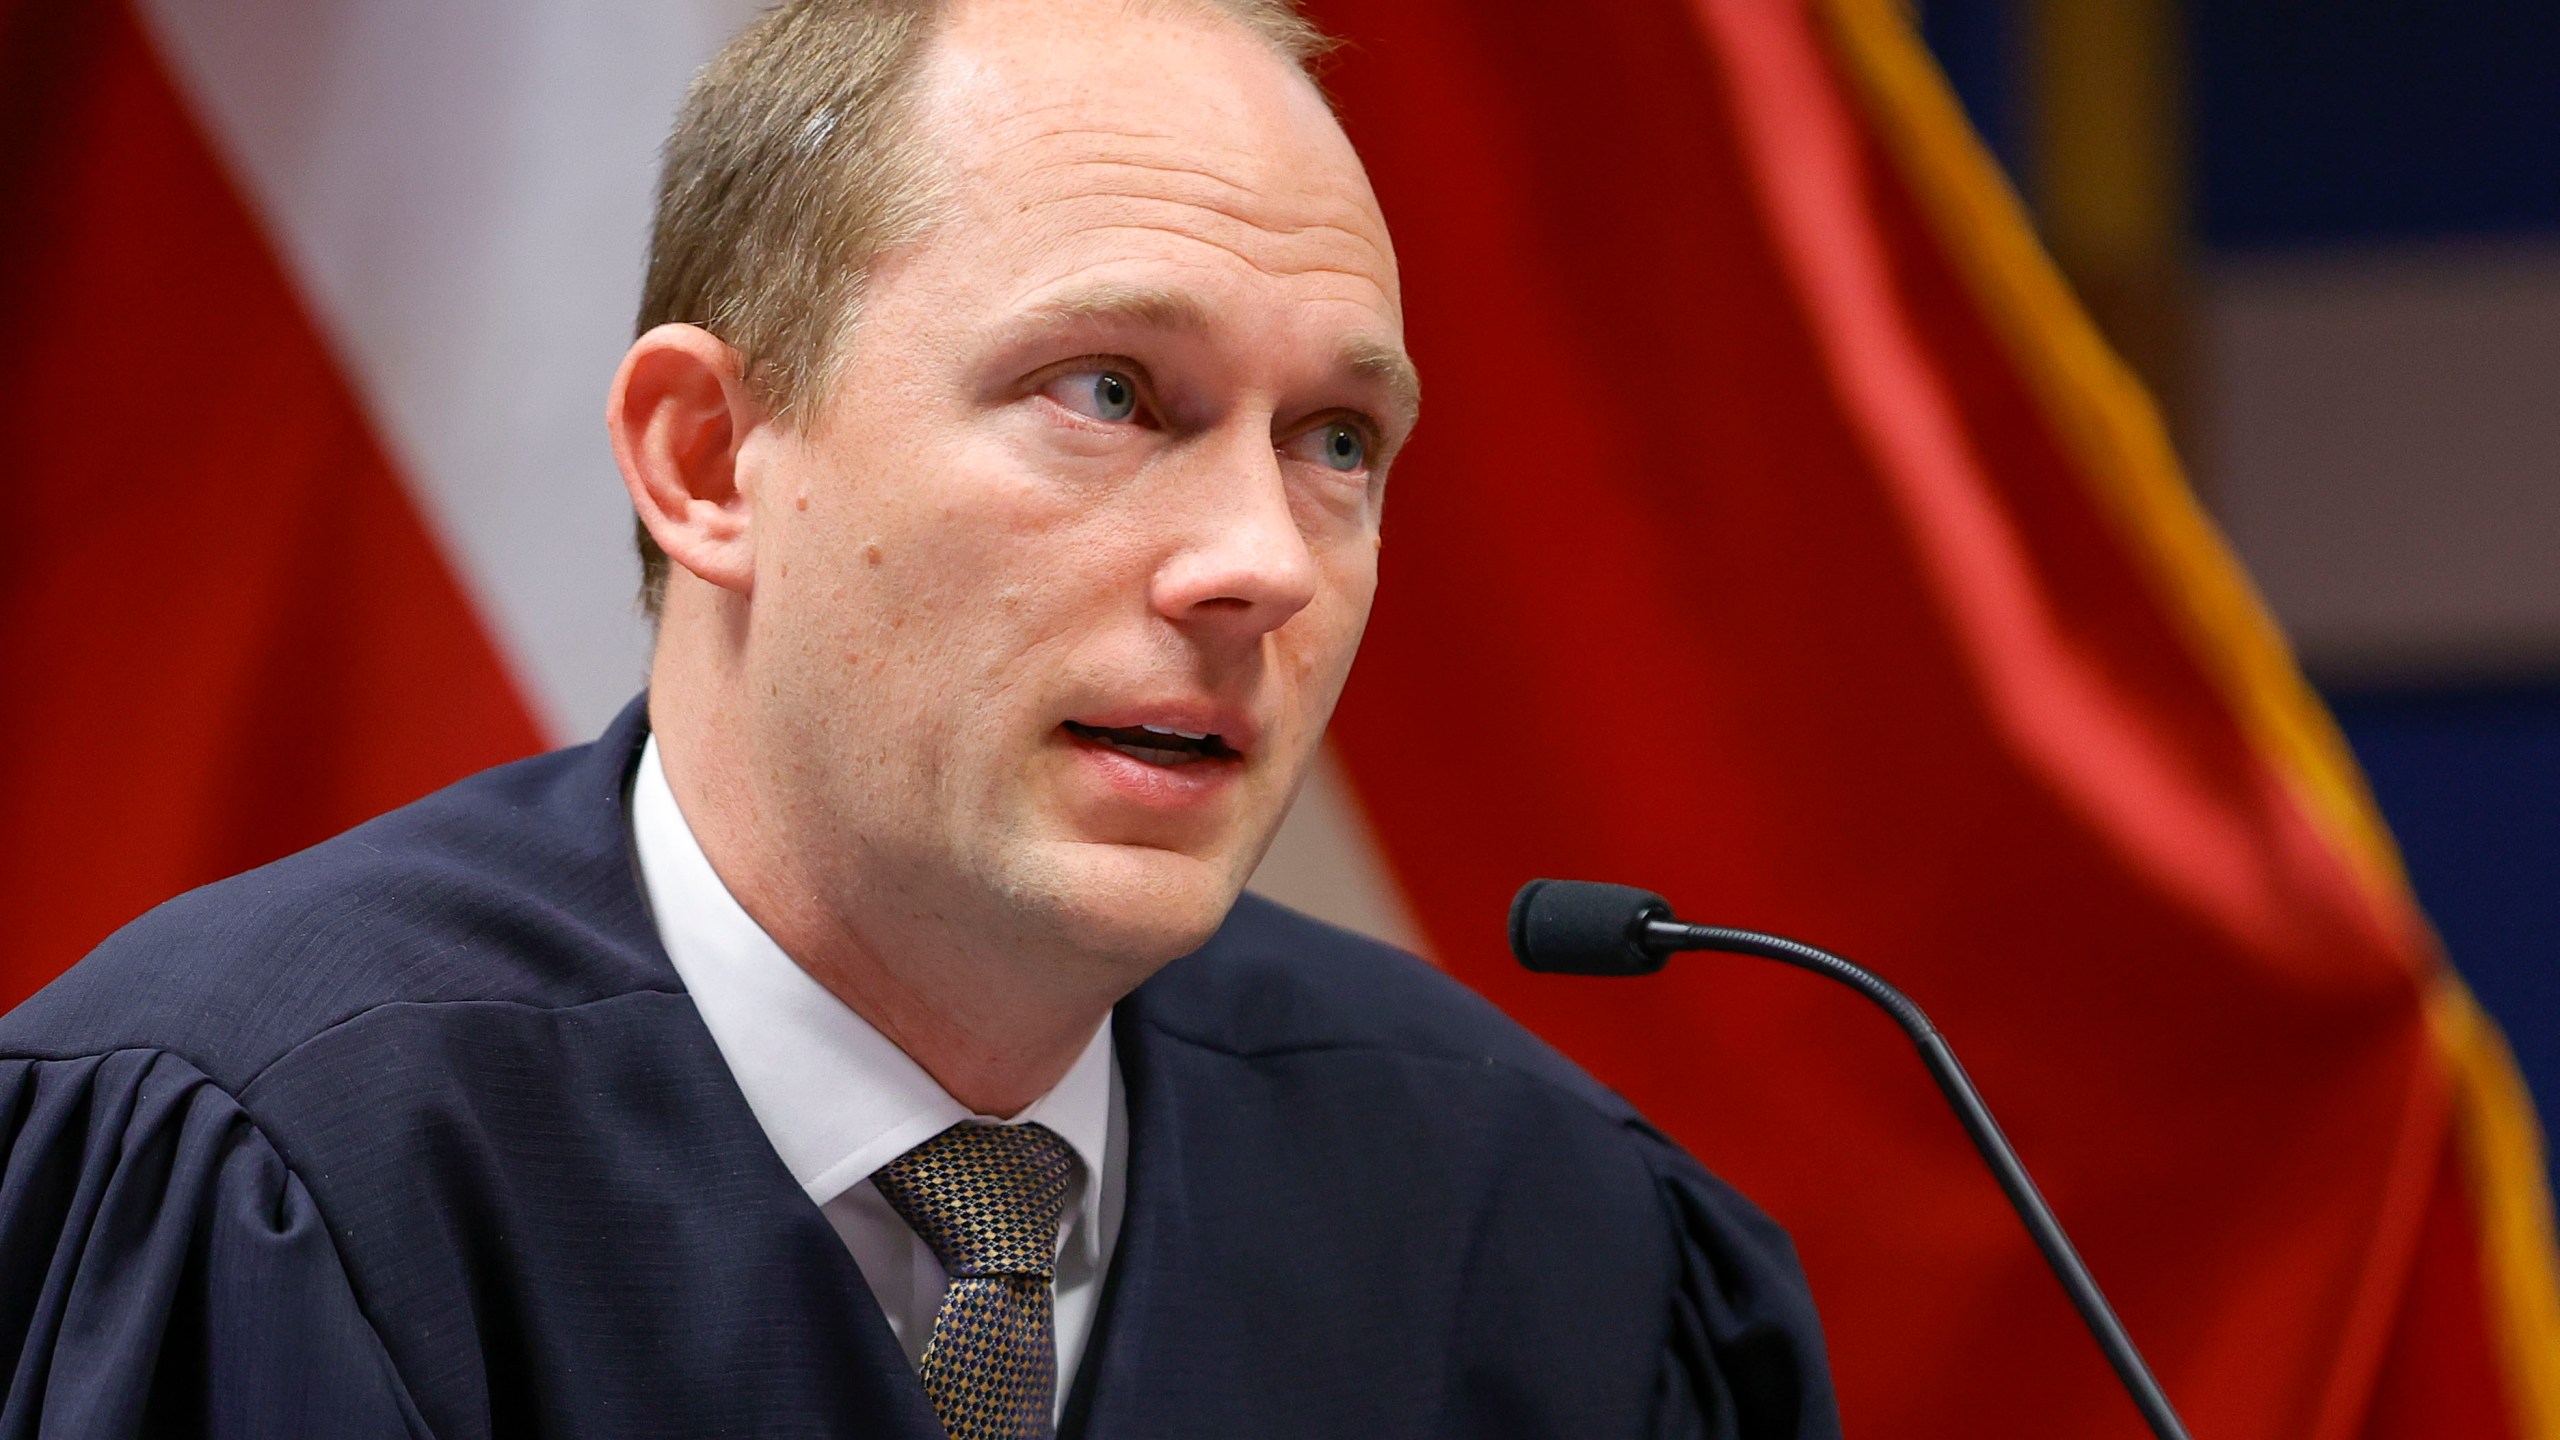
1162,745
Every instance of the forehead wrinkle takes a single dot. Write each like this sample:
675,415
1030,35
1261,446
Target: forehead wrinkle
1169,194
1177,157
1275,271
1132,162
1273,228
1032,117
1038,150
1314,232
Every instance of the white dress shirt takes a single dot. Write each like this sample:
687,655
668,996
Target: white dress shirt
839,1100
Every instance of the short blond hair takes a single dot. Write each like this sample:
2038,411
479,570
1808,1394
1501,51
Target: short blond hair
793,164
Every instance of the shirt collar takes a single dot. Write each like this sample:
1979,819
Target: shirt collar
837,1098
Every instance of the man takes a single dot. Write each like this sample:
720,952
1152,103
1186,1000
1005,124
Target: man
864,1037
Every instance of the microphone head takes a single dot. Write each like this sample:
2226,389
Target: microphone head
1582,927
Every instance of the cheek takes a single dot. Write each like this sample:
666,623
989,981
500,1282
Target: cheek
950,623
1350,571
903,547
1321,641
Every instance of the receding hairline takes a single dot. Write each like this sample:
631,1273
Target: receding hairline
795,162
901,155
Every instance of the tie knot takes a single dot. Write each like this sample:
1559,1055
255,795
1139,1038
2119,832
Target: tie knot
986,1197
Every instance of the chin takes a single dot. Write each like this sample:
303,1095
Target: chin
1131,904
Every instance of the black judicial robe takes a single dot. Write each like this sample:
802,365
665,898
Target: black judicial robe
416,1133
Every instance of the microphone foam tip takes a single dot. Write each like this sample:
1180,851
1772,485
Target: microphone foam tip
1583,927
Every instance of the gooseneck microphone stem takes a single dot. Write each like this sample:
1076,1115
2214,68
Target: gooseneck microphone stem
1662,936
1581,927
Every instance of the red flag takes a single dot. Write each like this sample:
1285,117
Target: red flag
1782,538
233,634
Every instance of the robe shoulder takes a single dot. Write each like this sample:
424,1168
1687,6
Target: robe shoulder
318,1108
452,1033
1585,1182
514,886
162,1272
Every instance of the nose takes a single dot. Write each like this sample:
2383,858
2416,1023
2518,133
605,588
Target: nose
1243,566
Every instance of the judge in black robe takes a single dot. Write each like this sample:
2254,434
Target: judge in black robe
417,1133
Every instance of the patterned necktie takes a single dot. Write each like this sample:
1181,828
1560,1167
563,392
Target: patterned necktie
987,1199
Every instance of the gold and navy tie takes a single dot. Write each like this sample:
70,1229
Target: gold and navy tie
987,1199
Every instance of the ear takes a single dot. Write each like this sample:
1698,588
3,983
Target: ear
678,414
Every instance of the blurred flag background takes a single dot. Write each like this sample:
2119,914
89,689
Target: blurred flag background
1785,536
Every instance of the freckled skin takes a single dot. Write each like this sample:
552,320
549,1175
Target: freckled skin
860,688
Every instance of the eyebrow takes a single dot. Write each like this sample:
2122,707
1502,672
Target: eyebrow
1177,310
1389,366
1142,304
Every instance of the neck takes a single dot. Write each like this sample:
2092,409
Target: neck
995,1059
995,1018
972,1022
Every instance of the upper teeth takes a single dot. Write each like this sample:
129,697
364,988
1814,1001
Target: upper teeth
1169,730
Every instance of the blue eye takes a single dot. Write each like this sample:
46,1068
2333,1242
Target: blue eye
1110,396
1115,397
1342,447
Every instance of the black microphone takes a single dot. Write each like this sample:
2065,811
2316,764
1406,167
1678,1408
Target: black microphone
1582,927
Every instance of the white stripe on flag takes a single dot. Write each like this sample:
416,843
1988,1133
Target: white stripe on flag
462,190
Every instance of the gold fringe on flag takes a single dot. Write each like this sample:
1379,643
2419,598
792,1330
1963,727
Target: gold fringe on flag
2104,418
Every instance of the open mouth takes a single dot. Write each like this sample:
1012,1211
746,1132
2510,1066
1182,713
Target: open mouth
1155,744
